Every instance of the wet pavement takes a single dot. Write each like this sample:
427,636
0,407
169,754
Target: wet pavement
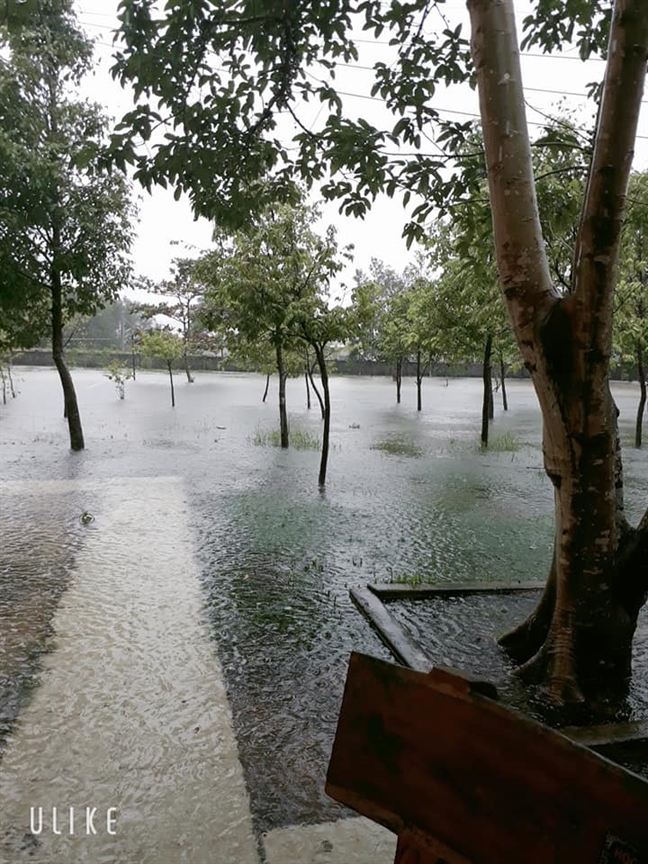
262,563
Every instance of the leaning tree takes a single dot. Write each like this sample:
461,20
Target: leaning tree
225,74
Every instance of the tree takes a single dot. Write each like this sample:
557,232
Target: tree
119,374
167,347
581,633
269,281
631,304
225,145
471,320
318,325
181,297
64,227
422,323
381,304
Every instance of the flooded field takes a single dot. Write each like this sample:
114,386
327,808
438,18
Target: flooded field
189,494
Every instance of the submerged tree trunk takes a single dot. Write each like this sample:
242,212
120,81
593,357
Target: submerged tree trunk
71,407
641,374
419,381
321,362
308,399
283,416
267,385
577,644
487,395
399,375
502,366
171,380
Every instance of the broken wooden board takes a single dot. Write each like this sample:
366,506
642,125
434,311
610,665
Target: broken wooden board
465,780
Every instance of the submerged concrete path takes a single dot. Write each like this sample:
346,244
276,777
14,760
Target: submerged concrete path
131,717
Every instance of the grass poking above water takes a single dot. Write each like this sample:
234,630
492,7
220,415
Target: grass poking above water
298,438
504,443
412,579
397,446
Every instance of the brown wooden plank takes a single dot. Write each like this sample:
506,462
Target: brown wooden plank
607,734
401,591
399,642
415,848
428,753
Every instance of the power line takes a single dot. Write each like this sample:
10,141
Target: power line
452,110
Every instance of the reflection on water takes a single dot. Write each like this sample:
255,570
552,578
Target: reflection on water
276,557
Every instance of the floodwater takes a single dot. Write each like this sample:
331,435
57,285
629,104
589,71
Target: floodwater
407,496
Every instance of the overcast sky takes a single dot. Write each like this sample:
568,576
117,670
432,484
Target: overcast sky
550,82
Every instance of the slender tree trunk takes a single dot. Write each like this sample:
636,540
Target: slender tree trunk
71,407
133,358
321,362
641,374
4,385
488,390
399,377
190,379
267,385
582,645
503,380
308,399
283,416
316,392
171,380
419,381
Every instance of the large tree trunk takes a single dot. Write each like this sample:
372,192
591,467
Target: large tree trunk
587,623
641,374
321,362
487,394
399,378
71,407
283,415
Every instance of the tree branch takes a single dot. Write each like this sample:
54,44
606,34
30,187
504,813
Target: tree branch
521,257
597,243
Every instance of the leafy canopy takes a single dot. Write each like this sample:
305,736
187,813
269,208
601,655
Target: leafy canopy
59,216
162,344
233,79
269,285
